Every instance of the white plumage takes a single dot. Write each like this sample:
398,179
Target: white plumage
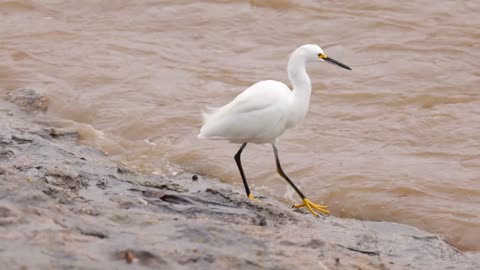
265,110
257,115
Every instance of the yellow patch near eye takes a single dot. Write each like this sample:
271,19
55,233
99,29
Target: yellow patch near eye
322,55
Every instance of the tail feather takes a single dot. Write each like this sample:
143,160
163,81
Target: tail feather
209,111
207,114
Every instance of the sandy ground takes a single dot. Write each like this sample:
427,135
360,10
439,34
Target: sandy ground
66,206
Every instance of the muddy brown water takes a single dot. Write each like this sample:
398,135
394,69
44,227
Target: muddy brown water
397,138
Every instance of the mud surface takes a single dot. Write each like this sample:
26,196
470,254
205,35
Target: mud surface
65,206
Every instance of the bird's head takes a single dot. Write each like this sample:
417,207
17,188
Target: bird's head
313,53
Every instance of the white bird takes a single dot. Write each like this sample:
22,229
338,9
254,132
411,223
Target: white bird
265,110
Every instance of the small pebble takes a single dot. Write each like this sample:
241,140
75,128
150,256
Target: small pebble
194,177
129,256
142,201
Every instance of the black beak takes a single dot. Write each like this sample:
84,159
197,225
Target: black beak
333,61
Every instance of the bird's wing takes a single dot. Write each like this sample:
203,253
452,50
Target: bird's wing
257,97
259,112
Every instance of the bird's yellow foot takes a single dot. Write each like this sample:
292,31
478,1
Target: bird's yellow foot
311,207
251,197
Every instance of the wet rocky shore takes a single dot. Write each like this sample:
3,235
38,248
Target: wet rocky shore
68,206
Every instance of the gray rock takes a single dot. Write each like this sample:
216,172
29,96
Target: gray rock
28,100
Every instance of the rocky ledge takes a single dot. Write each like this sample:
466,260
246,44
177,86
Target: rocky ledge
66,206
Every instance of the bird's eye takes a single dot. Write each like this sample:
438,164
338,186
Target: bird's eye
322,55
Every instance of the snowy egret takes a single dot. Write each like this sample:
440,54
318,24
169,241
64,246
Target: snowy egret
265,110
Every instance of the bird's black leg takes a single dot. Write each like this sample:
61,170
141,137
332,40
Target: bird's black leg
283,175
239,164
312,207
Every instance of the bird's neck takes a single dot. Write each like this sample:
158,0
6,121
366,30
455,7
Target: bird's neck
302,86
